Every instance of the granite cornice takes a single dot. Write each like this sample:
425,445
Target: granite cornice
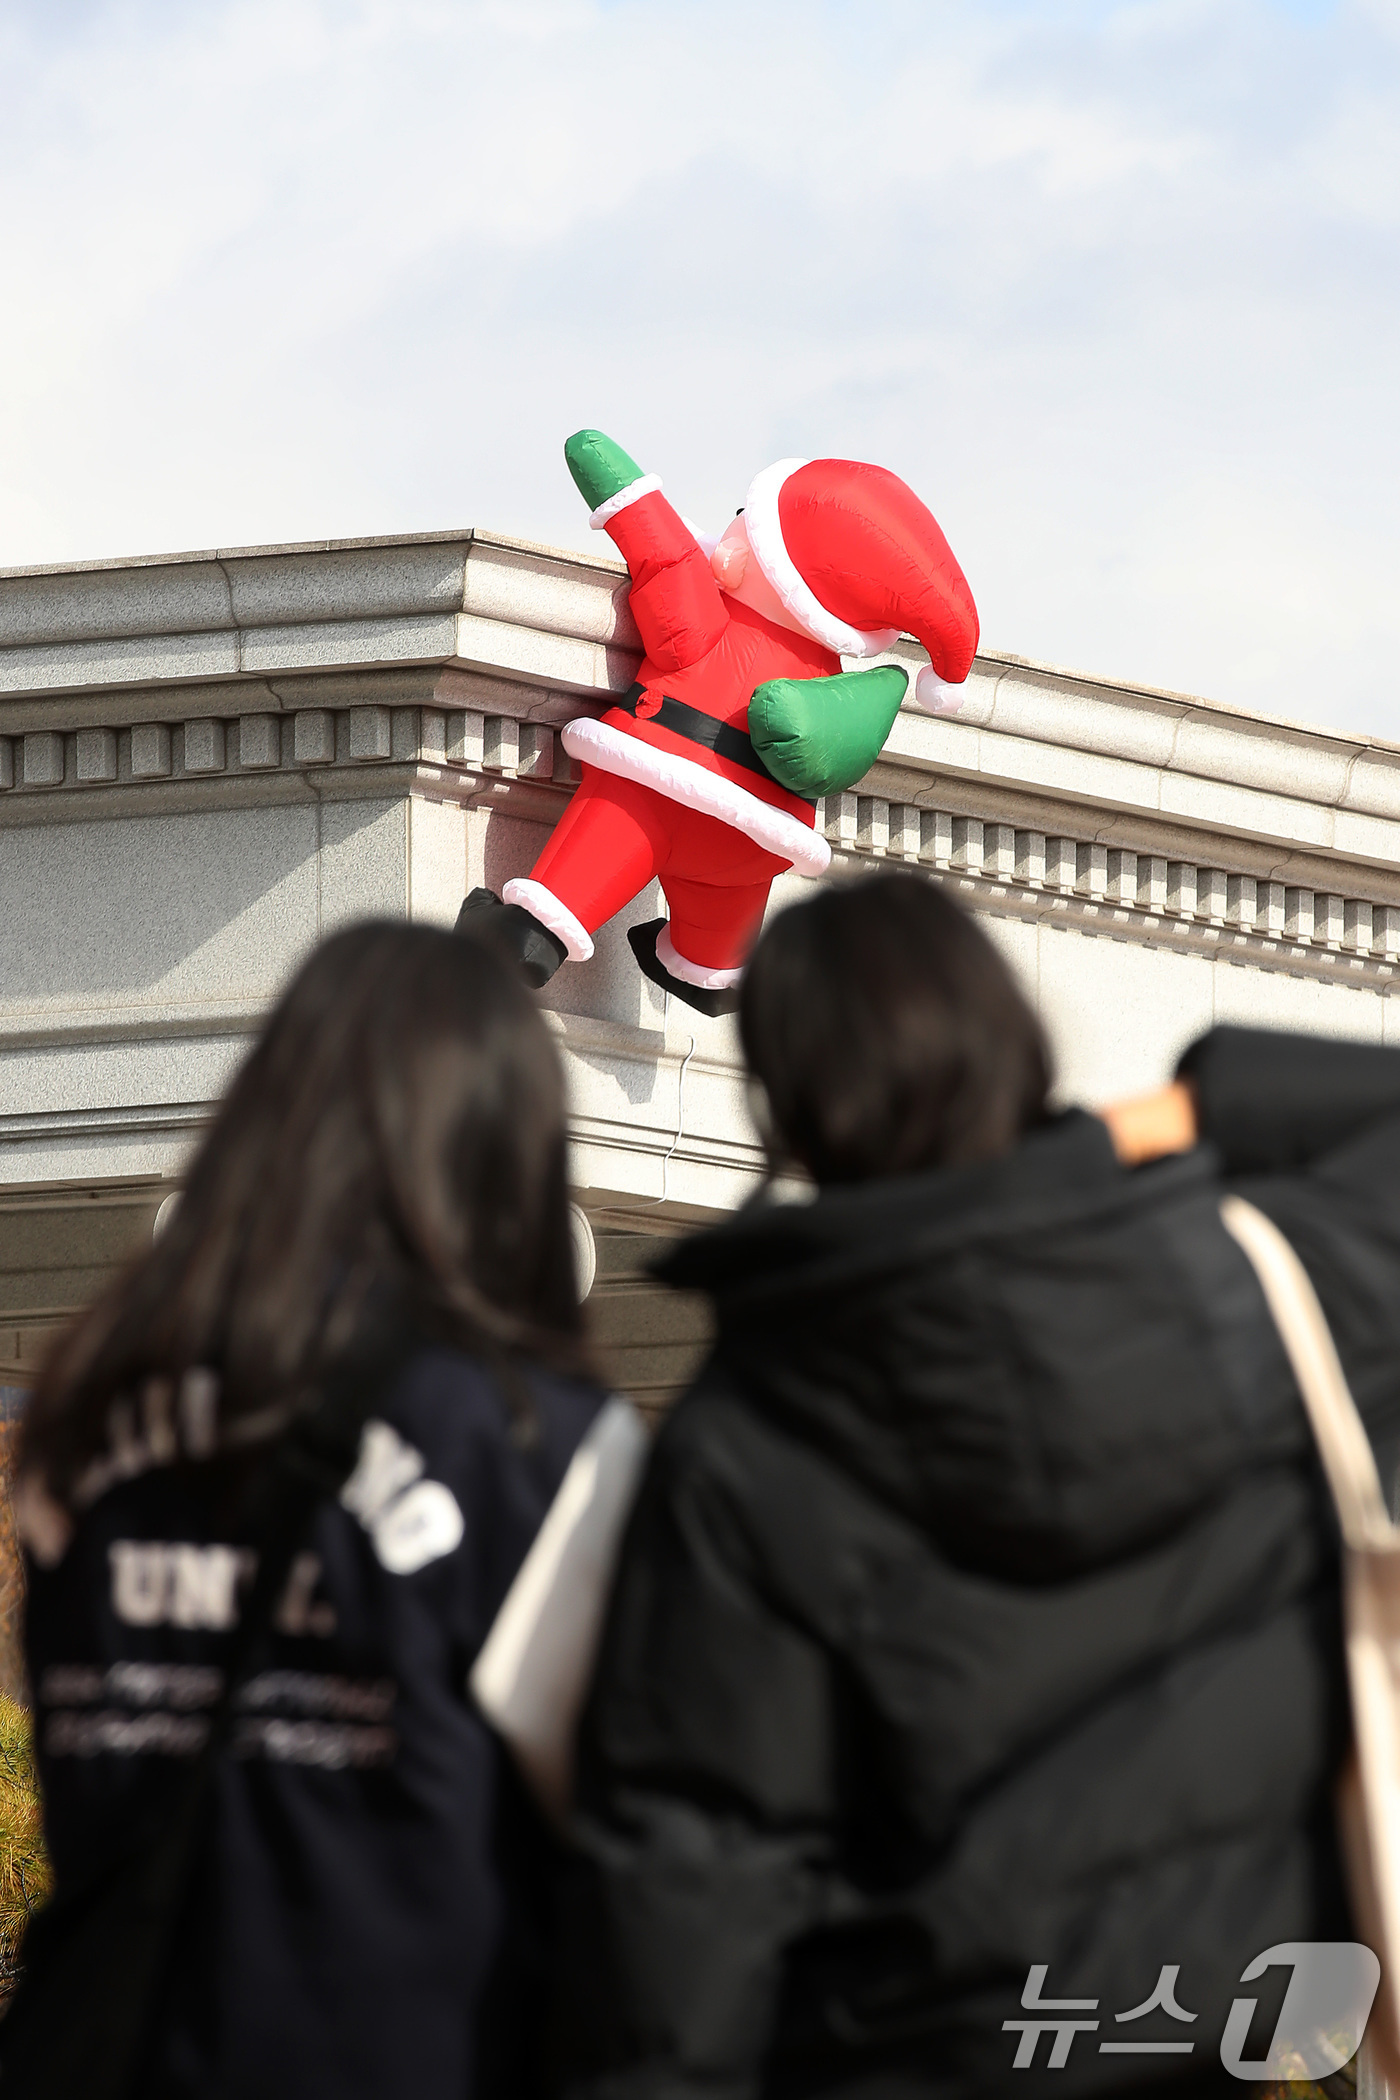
244,629
1016,714
239,593
468,535
439,605
221,591
437,685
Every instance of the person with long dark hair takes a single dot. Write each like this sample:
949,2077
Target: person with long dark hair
971,1700
275,1486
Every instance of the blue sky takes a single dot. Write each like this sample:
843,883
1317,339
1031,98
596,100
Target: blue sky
1115,287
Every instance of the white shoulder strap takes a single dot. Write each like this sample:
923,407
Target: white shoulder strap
1340,1434
532,1674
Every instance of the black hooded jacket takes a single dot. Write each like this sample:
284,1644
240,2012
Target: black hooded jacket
980,1612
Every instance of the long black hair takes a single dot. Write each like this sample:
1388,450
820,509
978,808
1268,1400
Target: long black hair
887,1034
397,1132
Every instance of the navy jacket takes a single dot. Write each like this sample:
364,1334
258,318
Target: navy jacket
364,1918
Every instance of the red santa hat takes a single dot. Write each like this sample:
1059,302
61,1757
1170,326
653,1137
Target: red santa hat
858,560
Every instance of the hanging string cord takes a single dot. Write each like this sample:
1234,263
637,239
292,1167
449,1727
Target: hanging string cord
680,1118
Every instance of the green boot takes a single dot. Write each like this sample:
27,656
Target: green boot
600,468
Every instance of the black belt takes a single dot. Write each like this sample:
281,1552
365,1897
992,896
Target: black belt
731,744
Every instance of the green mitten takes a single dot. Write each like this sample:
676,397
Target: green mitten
599,467
817,736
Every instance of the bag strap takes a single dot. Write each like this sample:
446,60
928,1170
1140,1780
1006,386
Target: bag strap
1338,1430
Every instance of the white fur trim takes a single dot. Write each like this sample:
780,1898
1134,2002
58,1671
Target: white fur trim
670,958
681,780
766,539
934,694
556,918
603,516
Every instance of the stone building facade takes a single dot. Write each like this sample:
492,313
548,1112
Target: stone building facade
208,760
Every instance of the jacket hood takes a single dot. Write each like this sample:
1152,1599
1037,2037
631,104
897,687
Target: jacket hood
1038,1358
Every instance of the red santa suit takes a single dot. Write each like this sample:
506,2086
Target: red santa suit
673,786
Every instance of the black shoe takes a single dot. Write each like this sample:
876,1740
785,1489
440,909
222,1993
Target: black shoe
516,932
643,940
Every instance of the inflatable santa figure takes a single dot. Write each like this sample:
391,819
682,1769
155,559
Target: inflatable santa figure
708,772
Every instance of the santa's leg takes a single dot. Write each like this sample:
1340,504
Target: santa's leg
713,927
716,882
698,954
605,848
608,844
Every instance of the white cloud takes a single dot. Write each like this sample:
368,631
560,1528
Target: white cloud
1114,287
